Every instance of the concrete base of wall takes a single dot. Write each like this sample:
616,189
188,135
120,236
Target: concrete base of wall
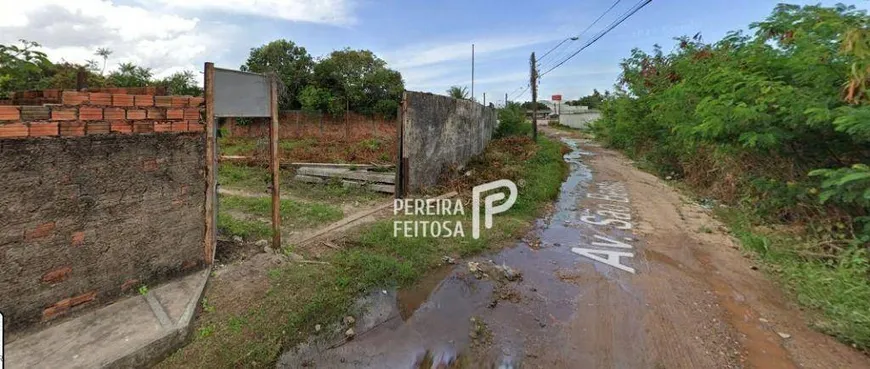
135,332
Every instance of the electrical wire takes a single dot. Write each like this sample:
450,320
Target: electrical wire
575,38
601,34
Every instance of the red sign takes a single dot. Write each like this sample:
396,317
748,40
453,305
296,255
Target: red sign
557,98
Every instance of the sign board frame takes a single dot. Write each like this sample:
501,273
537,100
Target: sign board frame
237,94
241,94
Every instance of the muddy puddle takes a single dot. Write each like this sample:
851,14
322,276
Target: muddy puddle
460,315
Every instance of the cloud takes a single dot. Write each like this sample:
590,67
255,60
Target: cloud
420,55
334,12
72,30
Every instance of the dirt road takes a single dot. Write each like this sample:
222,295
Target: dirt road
624,274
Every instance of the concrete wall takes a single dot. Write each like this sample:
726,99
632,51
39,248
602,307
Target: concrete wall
579,120
439,132
87,217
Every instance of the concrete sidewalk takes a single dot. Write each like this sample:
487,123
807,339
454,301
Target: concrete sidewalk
133,332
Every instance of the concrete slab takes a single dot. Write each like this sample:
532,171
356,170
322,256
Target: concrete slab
134,332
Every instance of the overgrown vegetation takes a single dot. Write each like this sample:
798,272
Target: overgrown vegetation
357,149
25,67
345,79
303,295
776,124
512,121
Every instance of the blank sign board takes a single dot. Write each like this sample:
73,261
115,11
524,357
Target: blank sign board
241,94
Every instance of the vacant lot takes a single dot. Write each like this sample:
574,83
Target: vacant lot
250,317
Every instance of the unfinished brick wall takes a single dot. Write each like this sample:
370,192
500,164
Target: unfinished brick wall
98,196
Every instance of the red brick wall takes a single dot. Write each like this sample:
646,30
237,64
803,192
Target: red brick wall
98,195
83,113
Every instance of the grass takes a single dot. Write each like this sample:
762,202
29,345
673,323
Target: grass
257,179
838,288
301,296
243,176
237,145
246,229
291,211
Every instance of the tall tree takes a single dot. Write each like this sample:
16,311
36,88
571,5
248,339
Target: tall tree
104,53
361,80
292,63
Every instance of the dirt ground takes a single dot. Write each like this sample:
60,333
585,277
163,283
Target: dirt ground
626,273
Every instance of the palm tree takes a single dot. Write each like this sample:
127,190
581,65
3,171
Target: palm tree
458,92
103,52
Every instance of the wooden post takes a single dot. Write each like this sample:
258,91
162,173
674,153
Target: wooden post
81,79
211,203
400,173
276,166
534,85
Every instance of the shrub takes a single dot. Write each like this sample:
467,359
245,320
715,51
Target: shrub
512,122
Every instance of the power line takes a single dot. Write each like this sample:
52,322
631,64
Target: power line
523,92
601,34
575,38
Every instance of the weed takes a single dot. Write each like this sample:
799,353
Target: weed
206,307
237,146
247,229
205,331
143,290
235,175
371,144
236,323
838,287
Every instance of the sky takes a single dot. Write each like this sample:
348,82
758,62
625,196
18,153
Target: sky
429,42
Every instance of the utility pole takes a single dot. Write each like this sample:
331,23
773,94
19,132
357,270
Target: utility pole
505,99
472,71
484,99
533,80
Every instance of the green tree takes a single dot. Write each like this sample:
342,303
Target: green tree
458,92
750,116
181,83
361,80
593,101
21,66
314,99
541,106
129,75
292,63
